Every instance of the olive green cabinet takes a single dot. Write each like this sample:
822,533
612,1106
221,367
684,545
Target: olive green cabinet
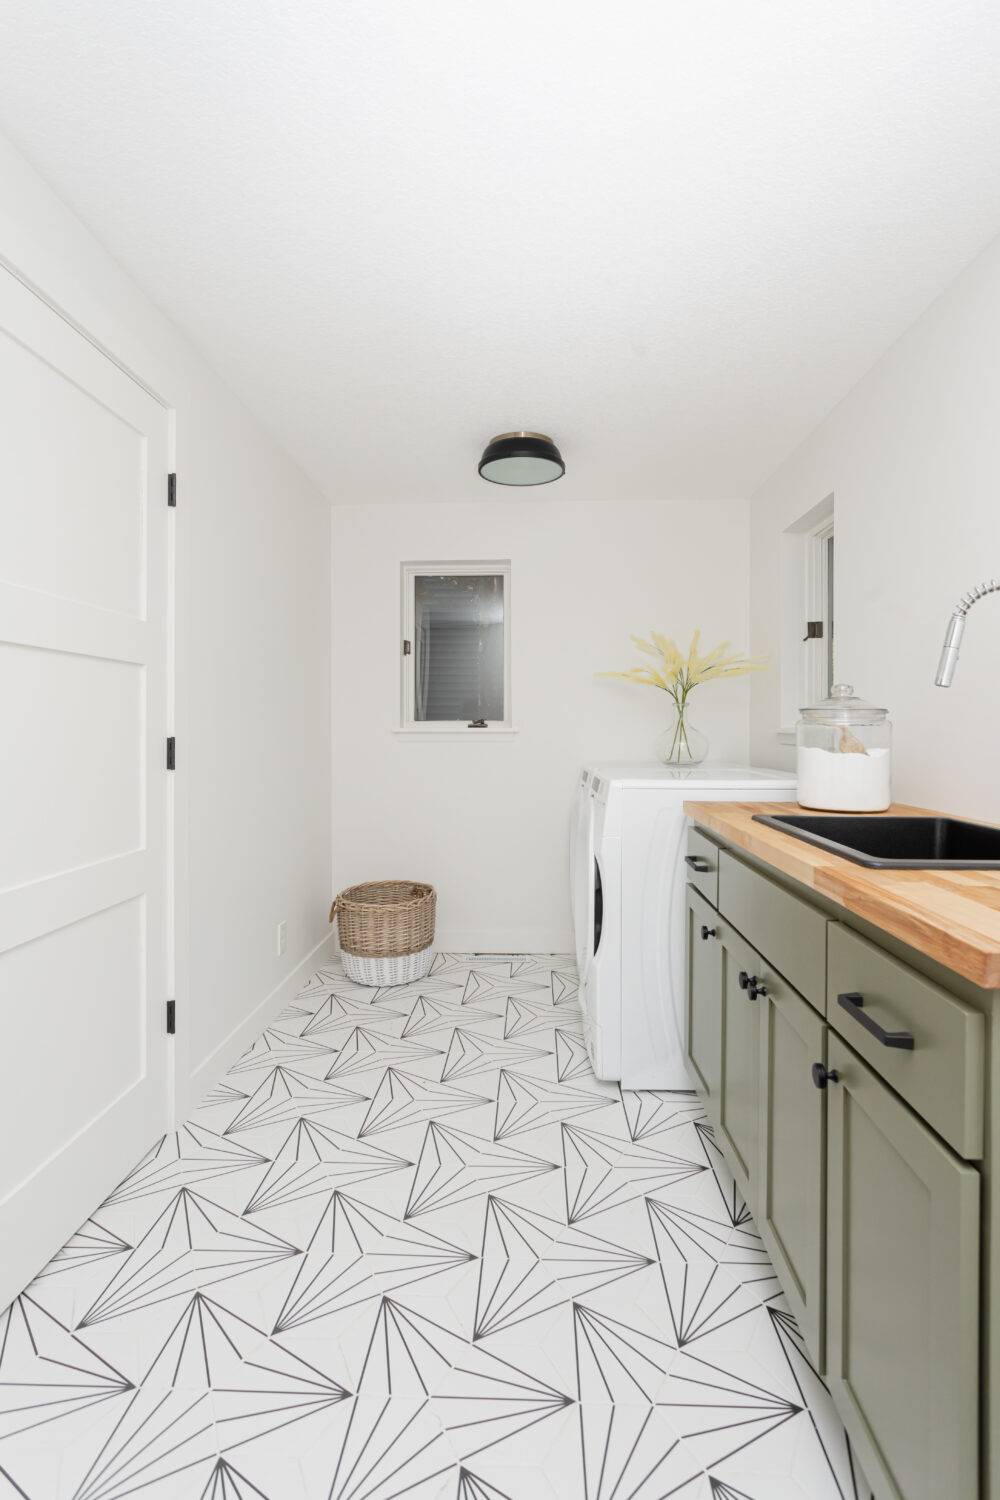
790,1202
902,1290
844,1115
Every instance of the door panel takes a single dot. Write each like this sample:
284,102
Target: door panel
61,704
740,1073
902,1290
83,788
60,441
703,1030
791,1210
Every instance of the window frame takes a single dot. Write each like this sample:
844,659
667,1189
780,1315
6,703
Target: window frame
448,728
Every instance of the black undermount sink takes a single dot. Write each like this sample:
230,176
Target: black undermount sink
896,843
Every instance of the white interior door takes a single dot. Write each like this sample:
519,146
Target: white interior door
83,787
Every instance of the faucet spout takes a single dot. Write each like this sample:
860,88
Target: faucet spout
956,629
950,650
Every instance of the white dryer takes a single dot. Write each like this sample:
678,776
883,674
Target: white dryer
628,844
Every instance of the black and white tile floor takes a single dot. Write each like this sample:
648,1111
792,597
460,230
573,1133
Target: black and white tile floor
412,1247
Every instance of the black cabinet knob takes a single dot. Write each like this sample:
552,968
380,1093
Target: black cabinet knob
707,932
751,984
821,1075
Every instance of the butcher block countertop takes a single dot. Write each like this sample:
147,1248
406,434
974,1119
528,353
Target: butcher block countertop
953,916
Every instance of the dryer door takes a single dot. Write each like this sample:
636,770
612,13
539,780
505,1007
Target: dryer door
582,875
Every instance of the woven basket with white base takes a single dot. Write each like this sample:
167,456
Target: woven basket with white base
386,931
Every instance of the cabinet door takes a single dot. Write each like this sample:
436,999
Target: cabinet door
791,1208
740,1071
703,1021
902,1290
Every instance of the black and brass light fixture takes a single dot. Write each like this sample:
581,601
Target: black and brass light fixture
521,458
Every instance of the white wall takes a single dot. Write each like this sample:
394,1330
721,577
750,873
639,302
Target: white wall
487,822
912,456
253,590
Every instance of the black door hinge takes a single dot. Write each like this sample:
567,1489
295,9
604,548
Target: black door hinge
814,630
171,753
172,490
171,1017
406,648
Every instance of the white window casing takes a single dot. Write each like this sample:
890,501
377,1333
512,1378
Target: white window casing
455,651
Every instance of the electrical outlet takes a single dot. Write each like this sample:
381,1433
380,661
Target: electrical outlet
282,942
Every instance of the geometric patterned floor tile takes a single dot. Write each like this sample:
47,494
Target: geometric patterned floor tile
530,1264
277,1048
429,1016
46,1372
365,1049
712,1275
572,1060
603,1173
284,1097
357,1255
194,1243
465,1269
655,1112
191,1154
525,1104
314,1159
91,1243
455,1166
404,1099
469,1054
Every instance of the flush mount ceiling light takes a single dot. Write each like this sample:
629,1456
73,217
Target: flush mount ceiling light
521,458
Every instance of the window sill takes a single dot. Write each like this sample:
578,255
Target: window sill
411,732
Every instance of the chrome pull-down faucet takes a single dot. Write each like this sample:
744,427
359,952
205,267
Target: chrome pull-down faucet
956,629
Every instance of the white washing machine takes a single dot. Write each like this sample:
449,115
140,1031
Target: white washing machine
628,884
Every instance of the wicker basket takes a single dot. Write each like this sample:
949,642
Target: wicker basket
386,930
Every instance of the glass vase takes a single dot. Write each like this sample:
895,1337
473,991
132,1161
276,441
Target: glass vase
680,744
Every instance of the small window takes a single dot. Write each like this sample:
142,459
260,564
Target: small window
456,646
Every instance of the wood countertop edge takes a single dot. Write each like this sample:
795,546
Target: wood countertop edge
964,951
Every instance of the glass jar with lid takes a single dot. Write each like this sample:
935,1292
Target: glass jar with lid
844,754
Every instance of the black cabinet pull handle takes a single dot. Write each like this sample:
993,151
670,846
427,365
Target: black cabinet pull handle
822,1076
853,1003
707,932
697,863
743,979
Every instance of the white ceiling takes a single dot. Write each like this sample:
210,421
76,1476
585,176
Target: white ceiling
672,233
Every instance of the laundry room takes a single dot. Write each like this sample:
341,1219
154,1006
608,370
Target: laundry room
499,828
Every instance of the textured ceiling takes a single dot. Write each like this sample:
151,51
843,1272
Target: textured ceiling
670,234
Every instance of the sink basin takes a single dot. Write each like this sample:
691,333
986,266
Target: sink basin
896,843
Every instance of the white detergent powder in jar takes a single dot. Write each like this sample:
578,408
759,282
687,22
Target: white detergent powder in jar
844,752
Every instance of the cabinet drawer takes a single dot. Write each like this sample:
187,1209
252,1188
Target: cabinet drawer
789,932
702,862
942,1075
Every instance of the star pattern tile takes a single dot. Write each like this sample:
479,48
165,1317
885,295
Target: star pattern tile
410,1246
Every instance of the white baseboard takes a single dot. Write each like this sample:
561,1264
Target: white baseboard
218,1062
503,940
